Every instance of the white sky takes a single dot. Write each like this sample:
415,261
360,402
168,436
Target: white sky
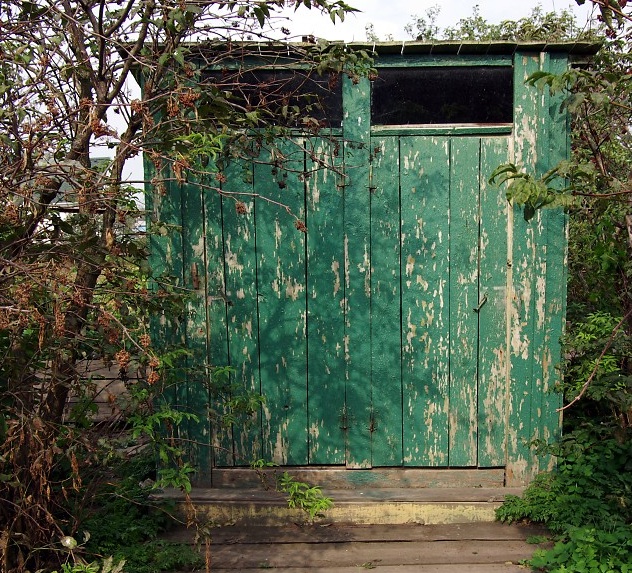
390,16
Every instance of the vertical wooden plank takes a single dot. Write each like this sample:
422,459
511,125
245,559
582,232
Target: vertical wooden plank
282,304
325,303
386,376
357,245
524,250
194,263
464,232
425,318
492,327
164,208
242,322
540,224
556,272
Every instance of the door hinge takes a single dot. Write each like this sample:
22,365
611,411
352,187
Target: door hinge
343,418
373,421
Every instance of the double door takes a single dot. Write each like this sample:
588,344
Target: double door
375,322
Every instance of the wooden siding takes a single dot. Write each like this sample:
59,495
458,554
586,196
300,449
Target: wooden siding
415,323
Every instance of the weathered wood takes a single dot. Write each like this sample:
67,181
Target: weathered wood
385,424
336,533
239,295
425,318
325,303
416,323
447,60
434,129
379,553
556,273
357,249
282,304
525,255
374,478
164,208
493,357
464,298
196,324
445,568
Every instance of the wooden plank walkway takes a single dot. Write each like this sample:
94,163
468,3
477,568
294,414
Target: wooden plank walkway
471,548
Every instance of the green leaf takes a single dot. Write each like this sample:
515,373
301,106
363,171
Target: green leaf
178,56
261,17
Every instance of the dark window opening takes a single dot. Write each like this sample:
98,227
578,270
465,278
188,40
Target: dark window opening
443,95
292,98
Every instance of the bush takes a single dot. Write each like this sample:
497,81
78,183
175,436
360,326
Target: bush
586,502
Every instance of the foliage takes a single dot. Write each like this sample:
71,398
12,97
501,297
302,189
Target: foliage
75,285
303,496
588,550
537,26
587,502
107,566
300,494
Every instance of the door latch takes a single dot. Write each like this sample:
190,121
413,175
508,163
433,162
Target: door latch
481,303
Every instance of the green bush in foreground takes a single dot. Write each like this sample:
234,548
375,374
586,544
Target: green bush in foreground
586,503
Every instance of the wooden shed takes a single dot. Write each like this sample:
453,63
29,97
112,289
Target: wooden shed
416,324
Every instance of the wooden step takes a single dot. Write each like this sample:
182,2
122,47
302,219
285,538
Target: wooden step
362,506
342,478
475,548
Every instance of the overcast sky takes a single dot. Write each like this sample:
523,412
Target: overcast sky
390,16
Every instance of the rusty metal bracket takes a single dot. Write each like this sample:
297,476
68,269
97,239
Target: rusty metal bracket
195,278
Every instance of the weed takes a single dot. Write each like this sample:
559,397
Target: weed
303,496
587,502
300,495
106,566
537,539
125,522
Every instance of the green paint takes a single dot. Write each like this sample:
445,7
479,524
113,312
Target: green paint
492,326
386,375
556,272
416,323
425,188
464,297
526,236
281,292
384,130
164,208
196,321
357,245
240,294
325,304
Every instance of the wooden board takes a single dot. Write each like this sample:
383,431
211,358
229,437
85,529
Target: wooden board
325,303
425,308
378,553
198,435
357,250
371,533
376,478
241,299
493,365
464,298
385,424
282,304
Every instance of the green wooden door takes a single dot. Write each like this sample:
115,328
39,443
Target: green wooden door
438,302
378,336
